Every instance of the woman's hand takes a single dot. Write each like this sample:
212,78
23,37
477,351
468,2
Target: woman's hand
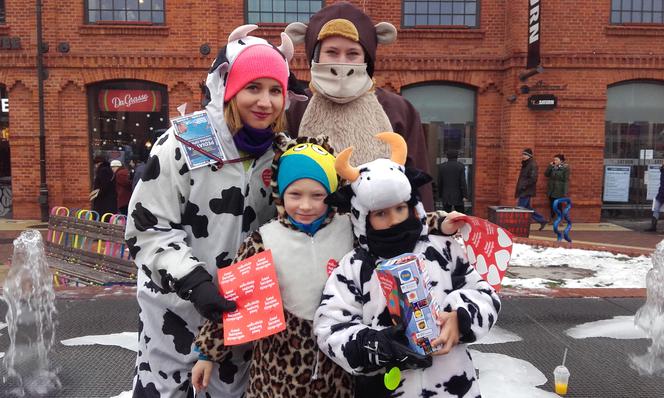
200,374
449,332
451,224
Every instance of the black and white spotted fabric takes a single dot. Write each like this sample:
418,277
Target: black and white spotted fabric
180,219
353,299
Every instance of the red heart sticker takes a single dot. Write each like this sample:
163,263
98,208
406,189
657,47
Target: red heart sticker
489,248
331,265
267,177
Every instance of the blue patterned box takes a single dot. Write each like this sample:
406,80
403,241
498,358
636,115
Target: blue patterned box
406,287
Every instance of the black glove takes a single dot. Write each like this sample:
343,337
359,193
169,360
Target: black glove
197,287
389,347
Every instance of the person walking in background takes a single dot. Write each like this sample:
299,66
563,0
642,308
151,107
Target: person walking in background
658,202
526,185
103,195
558,185
122,185
452,186
137,169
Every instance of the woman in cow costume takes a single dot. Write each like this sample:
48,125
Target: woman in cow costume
353,324
340,44
184,224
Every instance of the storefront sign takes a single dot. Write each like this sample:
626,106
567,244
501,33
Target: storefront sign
129,100
10,43
542,101
4,105
616,183
533,34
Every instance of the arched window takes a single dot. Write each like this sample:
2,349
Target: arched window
126,116
447,112
634,142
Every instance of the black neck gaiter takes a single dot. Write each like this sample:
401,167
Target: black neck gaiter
396,240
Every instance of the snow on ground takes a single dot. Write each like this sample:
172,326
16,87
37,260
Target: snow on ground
610,270
504,376
128,340
620,327
124,394
498,335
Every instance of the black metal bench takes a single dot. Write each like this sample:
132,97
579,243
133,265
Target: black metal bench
88,252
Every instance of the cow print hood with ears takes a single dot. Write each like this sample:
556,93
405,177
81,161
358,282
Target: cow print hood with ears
377,185
238,41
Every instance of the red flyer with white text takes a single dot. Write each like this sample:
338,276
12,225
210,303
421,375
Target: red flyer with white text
252,284
489,248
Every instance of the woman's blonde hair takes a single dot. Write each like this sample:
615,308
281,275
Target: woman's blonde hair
234,122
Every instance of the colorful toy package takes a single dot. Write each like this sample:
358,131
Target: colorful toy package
406,287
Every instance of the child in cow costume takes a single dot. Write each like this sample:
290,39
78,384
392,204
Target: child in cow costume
353,324
305,238
184,224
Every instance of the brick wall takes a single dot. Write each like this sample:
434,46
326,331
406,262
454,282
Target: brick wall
580,51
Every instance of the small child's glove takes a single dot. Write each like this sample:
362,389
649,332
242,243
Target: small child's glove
389,347
197,287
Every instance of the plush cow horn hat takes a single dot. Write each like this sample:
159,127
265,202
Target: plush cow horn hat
345,20
378,184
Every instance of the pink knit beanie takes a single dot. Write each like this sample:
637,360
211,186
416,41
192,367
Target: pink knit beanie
256,62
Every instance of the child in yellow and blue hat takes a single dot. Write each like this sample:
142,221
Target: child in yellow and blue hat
307,239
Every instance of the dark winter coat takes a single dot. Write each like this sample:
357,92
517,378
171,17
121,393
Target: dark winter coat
122,186
527,182
660,193
558,185
105,202
405,120
452,186
137,174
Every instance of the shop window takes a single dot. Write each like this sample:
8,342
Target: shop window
2,11
131,11
447,112
281,11
634,144
126,117
637,11
426,13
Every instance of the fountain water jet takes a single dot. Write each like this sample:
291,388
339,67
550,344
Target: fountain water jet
28,292
650,318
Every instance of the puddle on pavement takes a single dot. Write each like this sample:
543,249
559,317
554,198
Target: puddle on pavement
552,272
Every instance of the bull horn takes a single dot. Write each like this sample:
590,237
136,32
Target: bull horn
286,47
241,31
343,167
398,146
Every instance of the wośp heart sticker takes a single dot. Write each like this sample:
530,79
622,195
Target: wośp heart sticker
489,248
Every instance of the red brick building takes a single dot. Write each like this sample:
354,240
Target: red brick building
458,61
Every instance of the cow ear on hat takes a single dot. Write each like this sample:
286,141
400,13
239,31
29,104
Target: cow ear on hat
340,199
241,31
296,31
386,33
